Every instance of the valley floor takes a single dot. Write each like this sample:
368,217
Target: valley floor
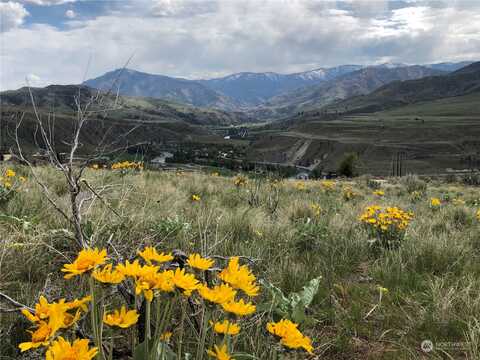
429,144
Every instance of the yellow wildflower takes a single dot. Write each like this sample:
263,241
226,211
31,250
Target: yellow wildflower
129,269
289,334
186,282
164,281
300,186
317,210
197,262
328,185
220,353
239,277
56,313
40,337
239,308
79,303
125,165
42,311
435,202
147,278
348,193
108,276
225,327
166,336
379,193
10,173
146,281
121,318
240,180
196,198
150,254
219,294
385,220
61,349
86,260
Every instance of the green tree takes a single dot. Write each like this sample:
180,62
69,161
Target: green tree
348,165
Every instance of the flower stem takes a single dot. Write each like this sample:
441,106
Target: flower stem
95,320
148,330
203,333
182,323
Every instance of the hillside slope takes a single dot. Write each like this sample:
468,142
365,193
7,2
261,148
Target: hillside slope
461,82
61,98
145,120
356,83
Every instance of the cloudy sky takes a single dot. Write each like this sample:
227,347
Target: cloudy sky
64,41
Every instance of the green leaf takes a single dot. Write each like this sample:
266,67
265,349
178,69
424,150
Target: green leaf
309,291
140,352
298,313
276,293
292,307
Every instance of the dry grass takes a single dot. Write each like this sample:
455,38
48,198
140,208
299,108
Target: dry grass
432,278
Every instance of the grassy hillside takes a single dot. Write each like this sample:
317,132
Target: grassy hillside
396,94
434,136
127,120
372,303
61,99
466,105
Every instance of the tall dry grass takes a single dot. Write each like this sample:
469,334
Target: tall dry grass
432,278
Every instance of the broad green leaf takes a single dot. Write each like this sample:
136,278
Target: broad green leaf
292,306
309,291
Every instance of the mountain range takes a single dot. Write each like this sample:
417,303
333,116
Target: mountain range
233,92
251,89
358,82
246,90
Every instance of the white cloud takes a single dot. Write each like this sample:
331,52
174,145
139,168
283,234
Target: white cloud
47,2
248,35
11,15
182,8
34,80
410,21
70,14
